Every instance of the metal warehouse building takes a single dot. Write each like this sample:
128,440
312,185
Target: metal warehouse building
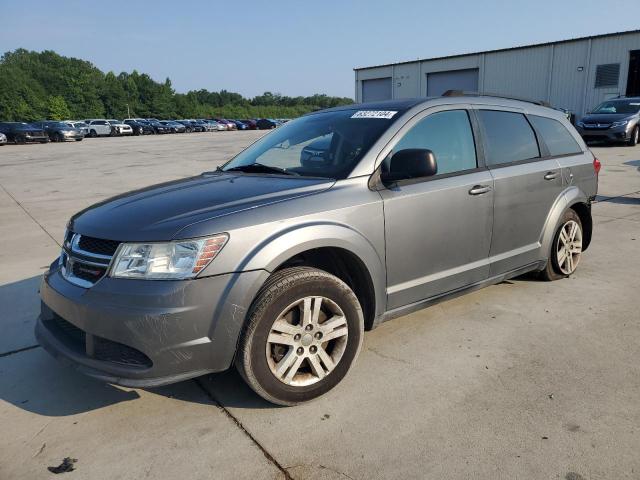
573,74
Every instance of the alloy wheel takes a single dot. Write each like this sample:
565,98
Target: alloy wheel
569,247
307,341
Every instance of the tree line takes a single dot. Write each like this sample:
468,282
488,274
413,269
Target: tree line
39,85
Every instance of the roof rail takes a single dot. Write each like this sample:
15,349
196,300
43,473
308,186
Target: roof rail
461,93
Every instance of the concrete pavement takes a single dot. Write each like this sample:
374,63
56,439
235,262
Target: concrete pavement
524,379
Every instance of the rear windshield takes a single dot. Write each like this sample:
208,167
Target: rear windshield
618,106
326,144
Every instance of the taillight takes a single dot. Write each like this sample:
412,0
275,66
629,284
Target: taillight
596,165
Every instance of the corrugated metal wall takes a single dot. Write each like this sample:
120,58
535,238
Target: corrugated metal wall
562,73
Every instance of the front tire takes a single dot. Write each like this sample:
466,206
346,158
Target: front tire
303,334
566,248
635,137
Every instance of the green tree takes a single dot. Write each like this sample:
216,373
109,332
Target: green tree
35,85
57,108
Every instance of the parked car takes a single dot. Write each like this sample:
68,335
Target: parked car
139,127
252,124
206,126
20,132
216,126
266,124
278,265
192,126
3,139
98,127
158,127
60,131
240,125
119,128
229,124
174,127
83,127
616,120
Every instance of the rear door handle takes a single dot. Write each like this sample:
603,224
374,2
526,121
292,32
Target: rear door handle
479,189
550,175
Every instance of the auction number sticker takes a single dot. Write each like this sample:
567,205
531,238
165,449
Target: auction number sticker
387,114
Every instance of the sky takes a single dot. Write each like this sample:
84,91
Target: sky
291,47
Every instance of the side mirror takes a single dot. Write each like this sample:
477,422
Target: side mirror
410,163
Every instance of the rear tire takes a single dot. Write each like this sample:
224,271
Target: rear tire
303,334
566,248
635,137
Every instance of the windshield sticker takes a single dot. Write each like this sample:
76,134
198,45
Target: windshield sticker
387,114
634,104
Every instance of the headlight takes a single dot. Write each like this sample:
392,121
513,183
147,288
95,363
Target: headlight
580,124
172,260
621,123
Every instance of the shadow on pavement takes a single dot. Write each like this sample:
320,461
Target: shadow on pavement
619,200
229,390
633,163
34,381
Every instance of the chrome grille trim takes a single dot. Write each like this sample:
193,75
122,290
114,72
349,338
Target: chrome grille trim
73,257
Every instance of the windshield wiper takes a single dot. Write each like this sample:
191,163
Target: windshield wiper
261,168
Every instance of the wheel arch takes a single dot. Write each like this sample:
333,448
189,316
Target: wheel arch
572,198
335,248
583,210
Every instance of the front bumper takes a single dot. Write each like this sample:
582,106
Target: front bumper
618,134
73,135
142,333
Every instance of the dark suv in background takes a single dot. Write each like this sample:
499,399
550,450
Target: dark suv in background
20,132
616,120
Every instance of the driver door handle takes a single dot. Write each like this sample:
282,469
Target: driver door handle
479,189
550,175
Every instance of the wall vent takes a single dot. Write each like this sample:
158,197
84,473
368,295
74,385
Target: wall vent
607,75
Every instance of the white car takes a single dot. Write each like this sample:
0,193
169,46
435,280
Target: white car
120,128
3,139
98,127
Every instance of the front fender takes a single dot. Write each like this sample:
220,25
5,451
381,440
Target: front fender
570,196
276,249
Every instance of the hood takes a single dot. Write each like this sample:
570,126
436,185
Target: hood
605,117
159,212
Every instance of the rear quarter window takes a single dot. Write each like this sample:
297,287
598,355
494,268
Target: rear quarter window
555,135
508,137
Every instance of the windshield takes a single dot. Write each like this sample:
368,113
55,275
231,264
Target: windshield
58,125
328,144
618,106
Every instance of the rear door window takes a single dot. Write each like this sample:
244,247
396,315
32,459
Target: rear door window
508,137
448,135
557,138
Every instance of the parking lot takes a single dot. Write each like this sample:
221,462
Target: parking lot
522,380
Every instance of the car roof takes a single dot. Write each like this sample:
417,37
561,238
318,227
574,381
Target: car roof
402,106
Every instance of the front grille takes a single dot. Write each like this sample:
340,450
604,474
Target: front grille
85,260
597,126
86,272
114,352
95,347
98,245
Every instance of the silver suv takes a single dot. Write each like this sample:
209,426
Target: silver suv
278,261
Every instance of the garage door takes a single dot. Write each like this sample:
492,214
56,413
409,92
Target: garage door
440,82
376,89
